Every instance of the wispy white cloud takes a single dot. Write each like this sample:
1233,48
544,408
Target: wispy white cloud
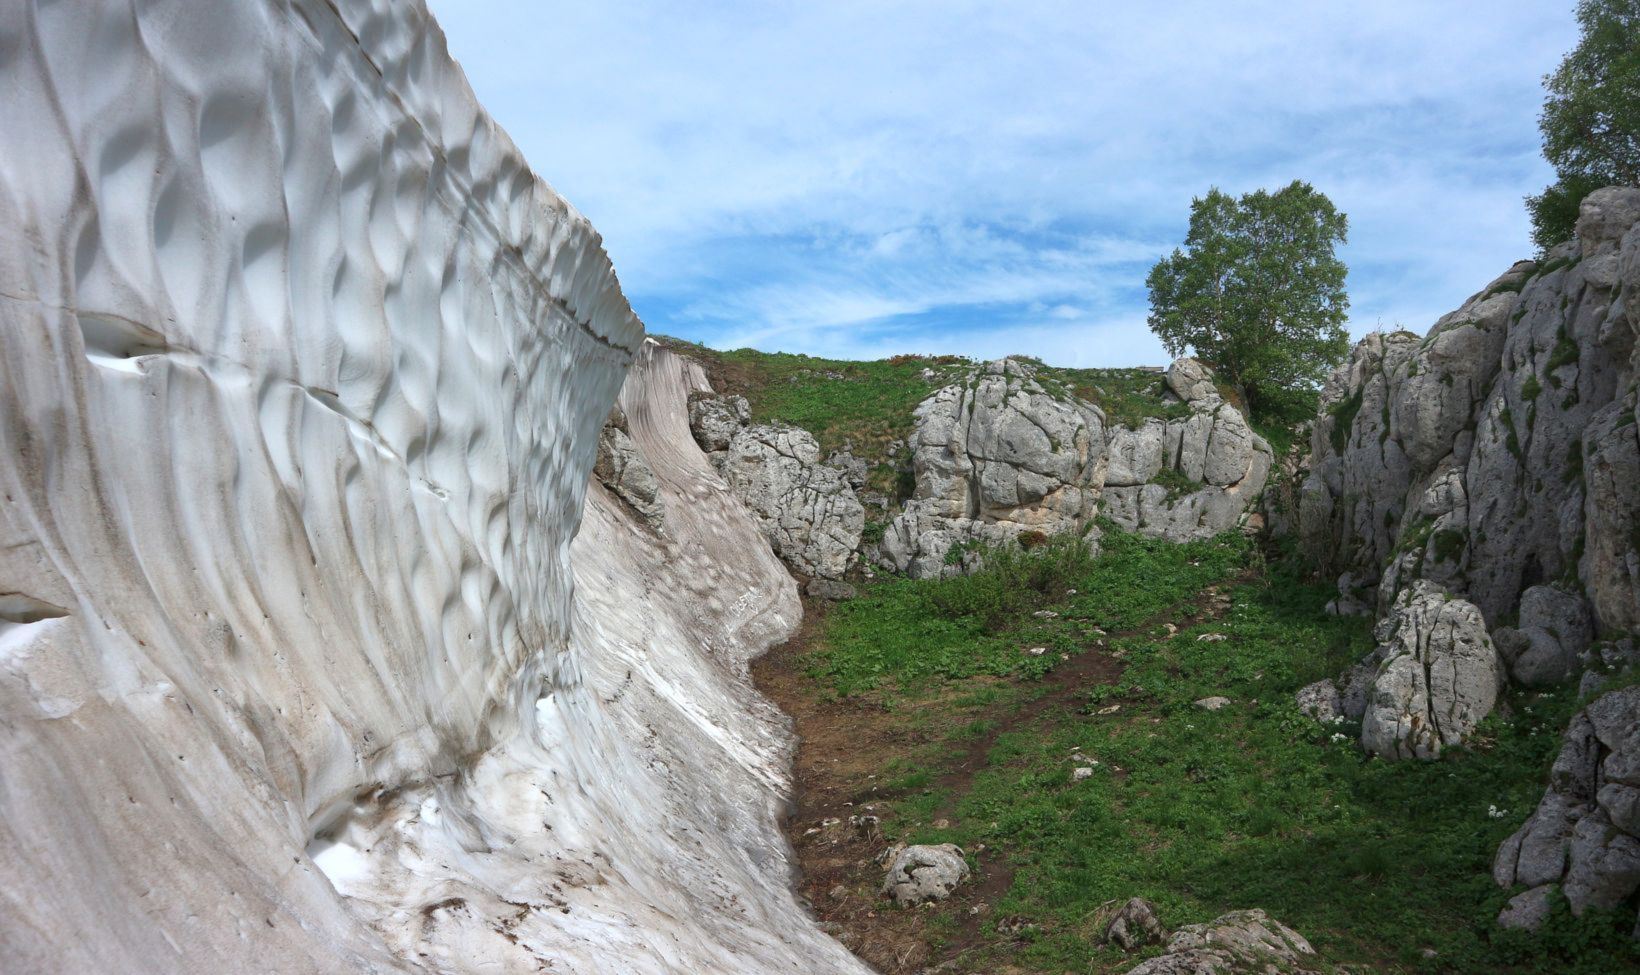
859,176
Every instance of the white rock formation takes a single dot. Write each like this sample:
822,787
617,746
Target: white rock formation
996,455
1238,943
1437,675
1213,450
303,666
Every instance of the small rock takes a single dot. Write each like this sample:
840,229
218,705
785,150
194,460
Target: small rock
1045,614
1112,709
1320,701
1135,926
1036,651
942,824
1213,703
829,589
838,893
1211,638
925,873
1528,910
1079,774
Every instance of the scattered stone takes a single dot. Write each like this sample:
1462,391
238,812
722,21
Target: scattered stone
1036,651
1321,701
1109,709
1078,774
1238,943
1135,925
1211,638
925,873
1213,703
829,589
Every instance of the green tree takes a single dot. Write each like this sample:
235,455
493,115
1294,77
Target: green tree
1257,292
1591,117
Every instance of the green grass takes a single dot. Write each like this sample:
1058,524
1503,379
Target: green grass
1202,812
902,635
1128,397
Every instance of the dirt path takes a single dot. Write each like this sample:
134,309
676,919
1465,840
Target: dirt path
845,746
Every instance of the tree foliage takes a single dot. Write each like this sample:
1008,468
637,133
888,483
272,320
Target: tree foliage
1257,292
1591,117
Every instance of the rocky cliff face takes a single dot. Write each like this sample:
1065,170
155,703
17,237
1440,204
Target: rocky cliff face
1484,478
1490,455
320,650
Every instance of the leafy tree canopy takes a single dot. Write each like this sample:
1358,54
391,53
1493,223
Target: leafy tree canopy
1591,117
1257,292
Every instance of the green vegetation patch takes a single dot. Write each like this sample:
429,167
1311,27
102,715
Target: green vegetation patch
1202,812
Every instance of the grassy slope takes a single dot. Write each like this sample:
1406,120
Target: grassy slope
1203,812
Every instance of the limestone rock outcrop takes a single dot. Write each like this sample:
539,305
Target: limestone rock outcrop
321,648
1215,465
621,468
1002,454
1135,925
1437,675
807,509
1585,834
1238,943
1499,452
995,456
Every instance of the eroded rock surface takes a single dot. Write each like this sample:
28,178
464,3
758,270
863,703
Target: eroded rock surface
1238,943
1585,833
1499,452
1002,454
807,509
996,456
1437,675
1216,466
925,873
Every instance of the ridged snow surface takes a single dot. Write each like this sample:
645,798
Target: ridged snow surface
303,665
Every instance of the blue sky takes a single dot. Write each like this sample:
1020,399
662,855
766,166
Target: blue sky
859,179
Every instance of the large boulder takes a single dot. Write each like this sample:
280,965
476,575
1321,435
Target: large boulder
1547,645
995,456
1238,943
1438,675
1585,833
806,508
714,420
925,873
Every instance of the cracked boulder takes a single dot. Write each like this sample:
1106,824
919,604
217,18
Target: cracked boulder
1135,925
714,420
808,511
1437,676
1191,477
925,873
1547,647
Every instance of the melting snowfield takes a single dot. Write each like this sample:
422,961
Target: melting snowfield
317,651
